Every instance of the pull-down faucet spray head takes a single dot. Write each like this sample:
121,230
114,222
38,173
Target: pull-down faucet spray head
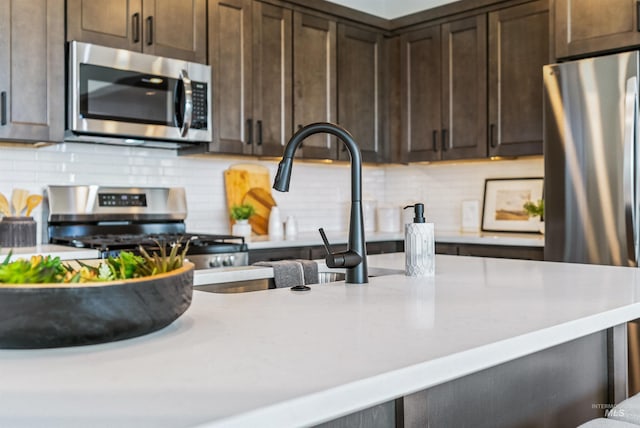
283,176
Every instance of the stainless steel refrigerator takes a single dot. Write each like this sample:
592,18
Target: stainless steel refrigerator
591,160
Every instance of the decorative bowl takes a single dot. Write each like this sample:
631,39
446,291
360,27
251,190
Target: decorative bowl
56,315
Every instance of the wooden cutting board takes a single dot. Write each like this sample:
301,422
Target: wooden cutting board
250,183
262,201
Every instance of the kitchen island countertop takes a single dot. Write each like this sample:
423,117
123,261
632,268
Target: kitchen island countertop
281,358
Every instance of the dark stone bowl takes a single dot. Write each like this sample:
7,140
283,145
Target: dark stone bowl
55,315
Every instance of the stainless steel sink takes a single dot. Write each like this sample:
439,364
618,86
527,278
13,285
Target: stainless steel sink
330,275
325,277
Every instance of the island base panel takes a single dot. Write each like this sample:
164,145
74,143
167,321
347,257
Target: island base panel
562,386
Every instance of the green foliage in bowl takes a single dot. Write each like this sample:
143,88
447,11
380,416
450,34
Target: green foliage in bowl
37,270
127,265
242,212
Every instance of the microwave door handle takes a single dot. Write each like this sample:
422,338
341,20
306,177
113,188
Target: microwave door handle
629,169
188,103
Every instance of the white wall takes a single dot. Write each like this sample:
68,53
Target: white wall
390,9
319,193
443,187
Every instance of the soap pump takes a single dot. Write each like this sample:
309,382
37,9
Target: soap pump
419,244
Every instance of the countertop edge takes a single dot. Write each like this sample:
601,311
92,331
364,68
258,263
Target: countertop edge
348,398
444,237
65,253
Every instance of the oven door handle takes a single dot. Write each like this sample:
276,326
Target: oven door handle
184,112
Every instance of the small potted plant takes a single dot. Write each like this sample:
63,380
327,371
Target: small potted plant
536,209
241,215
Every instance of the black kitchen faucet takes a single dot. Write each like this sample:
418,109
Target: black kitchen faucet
354,259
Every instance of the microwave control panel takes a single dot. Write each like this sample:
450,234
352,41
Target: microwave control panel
200,108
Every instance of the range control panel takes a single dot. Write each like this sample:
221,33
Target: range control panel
122,199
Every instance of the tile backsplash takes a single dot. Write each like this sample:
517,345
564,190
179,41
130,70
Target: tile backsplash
319,193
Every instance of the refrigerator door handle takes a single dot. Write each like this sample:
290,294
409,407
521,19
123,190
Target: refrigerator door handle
630,113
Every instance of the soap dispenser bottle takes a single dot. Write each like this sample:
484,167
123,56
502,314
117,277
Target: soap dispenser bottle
419,244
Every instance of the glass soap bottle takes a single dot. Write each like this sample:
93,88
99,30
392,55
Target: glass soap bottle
419,244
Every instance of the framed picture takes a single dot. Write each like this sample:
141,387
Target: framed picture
504,199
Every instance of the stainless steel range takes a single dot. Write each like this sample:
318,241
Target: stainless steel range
112,219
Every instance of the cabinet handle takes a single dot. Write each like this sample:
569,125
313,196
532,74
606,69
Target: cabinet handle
3,108
638,15
135,27
149,30
435,140
492,140
249,131
259,124
444,140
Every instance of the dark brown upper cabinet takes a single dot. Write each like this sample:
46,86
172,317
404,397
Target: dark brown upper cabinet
170,28
272,80
230,57
31,70
361,85
518,48
444,91
584,27
421,81
250,51
314,81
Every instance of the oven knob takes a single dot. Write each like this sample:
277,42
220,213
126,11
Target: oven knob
227,261
215,262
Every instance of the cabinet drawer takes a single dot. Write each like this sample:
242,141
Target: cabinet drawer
498,251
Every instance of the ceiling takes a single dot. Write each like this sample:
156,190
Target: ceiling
390,9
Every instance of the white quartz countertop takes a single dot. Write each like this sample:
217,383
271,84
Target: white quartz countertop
279,358
65,253
482,238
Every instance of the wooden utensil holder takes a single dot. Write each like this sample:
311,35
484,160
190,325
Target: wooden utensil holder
17,232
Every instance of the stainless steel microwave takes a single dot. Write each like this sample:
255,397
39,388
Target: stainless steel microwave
118,96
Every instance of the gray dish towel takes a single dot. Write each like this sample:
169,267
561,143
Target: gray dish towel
286,273
310,269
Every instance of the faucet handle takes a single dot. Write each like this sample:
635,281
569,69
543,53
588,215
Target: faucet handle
327,246
341,259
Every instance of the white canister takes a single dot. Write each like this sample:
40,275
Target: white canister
275,224
290,228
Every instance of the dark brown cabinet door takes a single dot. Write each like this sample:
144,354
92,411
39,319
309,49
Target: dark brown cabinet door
171,28
464,91
314,80
518,48
175,29
230,58
583,27
421,94
444,91
32,70
272,56
360,88
114,23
